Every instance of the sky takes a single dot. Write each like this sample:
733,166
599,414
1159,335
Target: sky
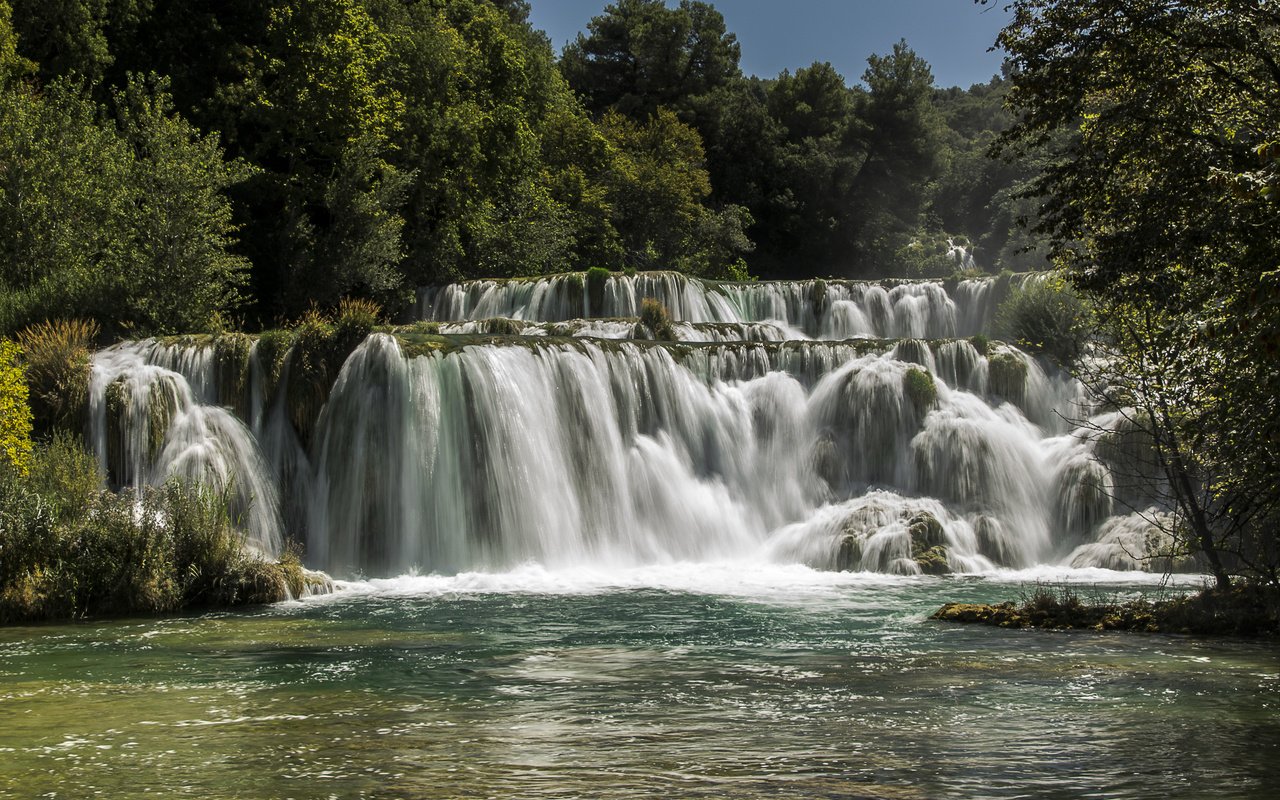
952,35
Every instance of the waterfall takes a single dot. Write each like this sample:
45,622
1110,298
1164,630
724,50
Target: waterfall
825,309
907,455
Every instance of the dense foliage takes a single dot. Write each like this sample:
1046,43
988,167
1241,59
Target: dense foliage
1161,122
73,549
174,163
15,413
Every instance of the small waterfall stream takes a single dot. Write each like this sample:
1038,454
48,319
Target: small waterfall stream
563,442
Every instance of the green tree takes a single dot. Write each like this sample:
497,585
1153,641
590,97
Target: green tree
898,135
1159,202
121,220
74,37
639,55
656,186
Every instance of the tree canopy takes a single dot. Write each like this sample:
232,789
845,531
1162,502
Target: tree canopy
1161,120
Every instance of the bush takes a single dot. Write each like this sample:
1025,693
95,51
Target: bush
356,320
920,389
1046,315
655,317
57,358
597,277
72,549
15,411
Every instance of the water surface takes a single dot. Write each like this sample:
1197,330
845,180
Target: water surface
684,681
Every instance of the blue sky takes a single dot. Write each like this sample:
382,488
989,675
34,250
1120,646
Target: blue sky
952,35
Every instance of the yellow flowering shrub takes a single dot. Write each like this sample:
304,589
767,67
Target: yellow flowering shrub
15,411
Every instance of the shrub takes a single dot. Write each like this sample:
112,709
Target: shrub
655,317
1007,377
72,549
980,343
15,411
597,277
1046,315
57,355
356,320
920,389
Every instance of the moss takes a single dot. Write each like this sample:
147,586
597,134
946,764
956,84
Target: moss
272,352
597,278
920,389
501,326
231,364
1007,377
818,296
929,544
980,343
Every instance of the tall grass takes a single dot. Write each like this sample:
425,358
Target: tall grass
72,549
56,355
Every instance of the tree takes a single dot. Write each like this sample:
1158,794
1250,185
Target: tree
898,134
640,55
121,220
1160,203
656,185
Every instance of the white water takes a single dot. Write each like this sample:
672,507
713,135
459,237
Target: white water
830,310
628,455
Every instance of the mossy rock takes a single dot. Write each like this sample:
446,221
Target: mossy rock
119,400
1007,377
980,343
231,366
597,278
818,296
934,561
920,389
272,351
502,326
928,544
849,553
912,351
991,540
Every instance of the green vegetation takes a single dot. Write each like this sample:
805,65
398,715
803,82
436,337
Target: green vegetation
15,413
73,549
177,166
920,389
657,320
1158,122
1046,315
1244,610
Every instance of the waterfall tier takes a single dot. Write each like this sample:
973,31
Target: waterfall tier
815,309
446,453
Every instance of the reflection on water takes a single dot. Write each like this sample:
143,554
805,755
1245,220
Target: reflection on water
533,685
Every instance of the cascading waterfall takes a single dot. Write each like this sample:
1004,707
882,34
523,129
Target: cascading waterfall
490,448
819,309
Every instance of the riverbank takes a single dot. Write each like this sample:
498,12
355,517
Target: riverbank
71,549
1245,609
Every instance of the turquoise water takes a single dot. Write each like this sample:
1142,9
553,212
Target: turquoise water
695,681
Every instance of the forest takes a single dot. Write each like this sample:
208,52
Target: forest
175,162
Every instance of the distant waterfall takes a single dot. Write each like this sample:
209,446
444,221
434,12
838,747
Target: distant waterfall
815,309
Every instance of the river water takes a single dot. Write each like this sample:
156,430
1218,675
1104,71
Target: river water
674,681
